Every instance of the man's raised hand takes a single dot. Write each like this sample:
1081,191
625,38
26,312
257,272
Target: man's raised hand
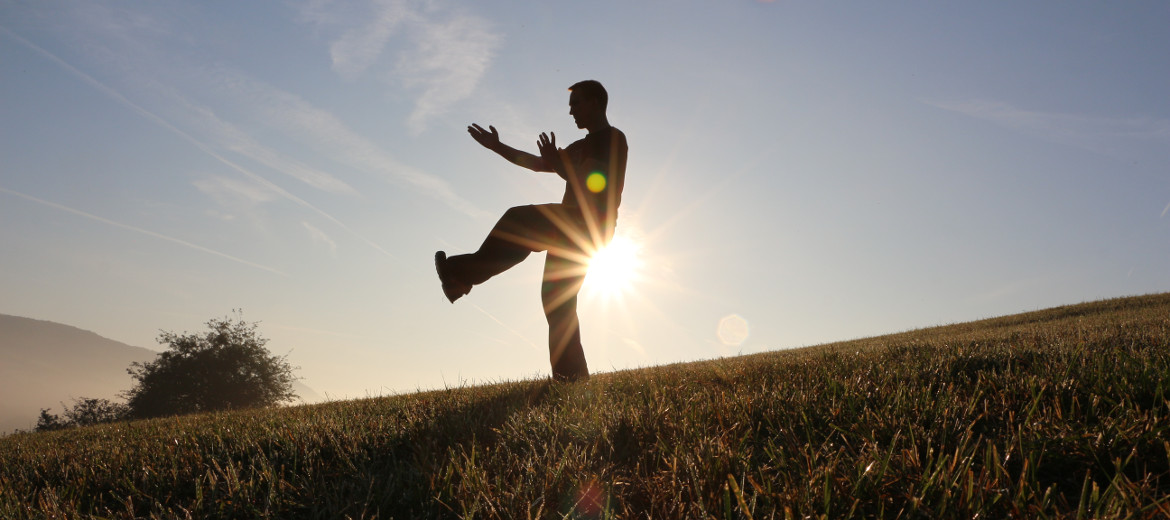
489,140
550,155
548,148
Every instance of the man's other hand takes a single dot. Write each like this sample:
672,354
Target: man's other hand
548,149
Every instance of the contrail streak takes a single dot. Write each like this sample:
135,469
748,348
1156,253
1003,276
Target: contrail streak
146,232
187,137
506,327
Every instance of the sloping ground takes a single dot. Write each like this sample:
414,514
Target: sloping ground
1058,413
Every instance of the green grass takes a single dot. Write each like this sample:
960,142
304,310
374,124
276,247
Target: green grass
1061,413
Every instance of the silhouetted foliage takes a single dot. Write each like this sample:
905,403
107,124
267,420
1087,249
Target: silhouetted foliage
48,422
85,412
88,411
226,367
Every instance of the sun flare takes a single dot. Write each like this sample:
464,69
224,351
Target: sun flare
614,270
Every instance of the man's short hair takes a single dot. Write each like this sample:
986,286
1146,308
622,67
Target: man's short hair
592,89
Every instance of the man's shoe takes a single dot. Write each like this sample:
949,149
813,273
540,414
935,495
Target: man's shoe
452,289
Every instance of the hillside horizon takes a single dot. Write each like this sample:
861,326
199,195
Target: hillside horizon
47,364
1055,413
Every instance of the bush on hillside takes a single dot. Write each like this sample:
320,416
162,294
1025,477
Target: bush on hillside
48,422
226,367
85,412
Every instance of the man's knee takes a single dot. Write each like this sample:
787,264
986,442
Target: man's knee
519,221
519,213
551,298
558,300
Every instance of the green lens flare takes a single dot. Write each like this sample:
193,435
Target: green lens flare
595,182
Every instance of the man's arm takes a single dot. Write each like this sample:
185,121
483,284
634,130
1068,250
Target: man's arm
490,139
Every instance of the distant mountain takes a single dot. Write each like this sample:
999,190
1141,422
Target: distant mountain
43,364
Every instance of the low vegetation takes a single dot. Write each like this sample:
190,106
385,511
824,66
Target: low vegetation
1061,413
227,367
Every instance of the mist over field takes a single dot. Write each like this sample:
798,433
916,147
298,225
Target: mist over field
43,364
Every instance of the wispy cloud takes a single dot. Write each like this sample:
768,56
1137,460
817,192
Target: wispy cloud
235,196
359,48
136,229
202,146
447,63
443,59
228,190
323,131
285,113
230,137
141,47
1120,137
320,237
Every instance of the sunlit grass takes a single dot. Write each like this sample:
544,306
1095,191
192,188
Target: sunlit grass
1060,413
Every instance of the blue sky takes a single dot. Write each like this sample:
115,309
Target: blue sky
799,172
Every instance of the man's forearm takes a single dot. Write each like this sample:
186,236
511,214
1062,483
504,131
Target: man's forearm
521,158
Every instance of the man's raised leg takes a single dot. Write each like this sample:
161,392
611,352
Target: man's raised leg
520,231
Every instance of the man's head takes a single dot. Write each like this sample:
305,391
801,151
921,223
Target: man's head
587,103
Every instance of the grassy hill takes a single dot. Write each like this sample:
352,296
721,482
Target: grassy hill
1061,413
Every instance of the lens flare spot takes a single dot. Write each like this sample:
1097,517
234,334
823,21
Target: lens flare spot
733,330
595,182
589,501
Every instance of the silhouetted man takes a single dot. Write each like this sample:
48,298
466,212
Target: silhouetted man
594,170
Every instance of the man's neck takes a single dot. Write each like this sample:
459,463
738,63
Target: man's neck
601,125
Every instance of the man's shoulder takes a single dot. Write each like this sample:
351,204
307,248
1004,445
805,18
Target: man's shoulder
605,137
619,136
613,135
617,140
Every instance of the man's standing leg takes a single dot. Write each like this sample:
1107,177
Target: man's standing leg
558,291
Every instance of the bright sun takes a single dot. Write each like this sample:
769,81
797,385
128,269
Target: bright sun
614,269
